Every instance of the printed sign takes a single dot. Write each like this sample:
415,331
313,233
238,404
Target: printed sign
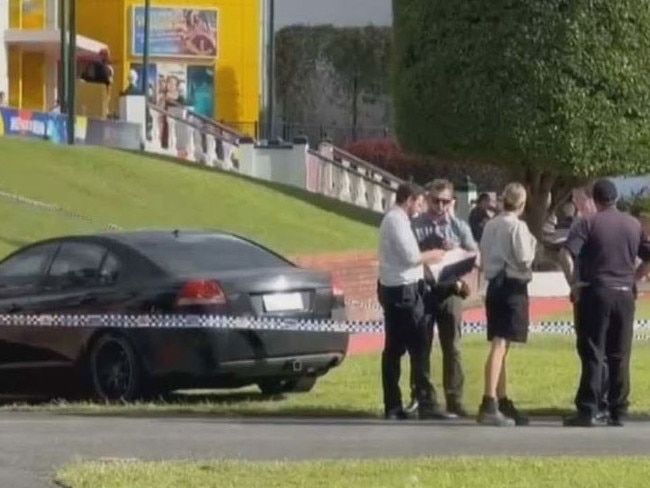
176,32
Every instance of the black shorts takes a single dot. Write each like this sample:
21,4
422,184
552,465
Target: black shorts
506,308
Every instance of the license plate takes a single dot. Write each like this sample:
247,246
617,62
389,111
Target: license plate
282,302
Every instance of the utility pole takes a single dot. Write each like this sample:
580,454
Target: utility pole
62,81
145,49
270,82
72,69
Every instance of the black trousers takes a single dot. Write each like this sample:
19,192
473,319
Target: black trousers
603,403
405,331
604,333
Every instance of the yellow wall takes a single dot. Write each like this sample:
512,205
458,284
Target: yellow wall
15,70
26,14
33,76
26,69
237,67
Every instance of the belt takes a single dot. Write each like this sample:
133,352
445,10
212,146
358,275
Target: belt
612,288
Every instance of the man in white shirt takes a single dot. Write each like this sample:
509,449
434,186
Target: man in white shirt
400,295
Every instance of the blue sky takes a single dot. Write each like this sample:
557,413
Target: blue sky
338,12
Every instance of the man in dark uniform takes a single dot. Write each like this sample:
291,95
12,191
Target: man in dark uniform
605,245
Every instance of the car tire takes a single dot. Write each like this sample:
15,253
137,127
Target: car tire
277,386
114,370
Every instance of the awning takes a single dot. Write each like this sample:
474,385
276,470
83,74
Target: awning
49,41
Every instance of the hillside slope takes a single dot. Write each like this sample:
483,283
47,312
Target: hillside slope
137,191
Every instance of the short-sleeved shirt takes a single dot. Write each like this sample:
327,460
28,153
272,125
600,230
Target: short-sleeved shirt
507,245
605,246
432,232
399,254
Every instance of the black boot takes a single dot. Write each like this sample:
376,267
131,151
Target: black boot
508,409
489,414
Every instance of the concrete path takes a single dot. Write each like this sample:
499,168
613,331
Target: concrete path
33,446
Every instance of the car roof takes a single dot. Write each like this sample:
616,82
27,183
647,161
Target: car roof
129,238
135,237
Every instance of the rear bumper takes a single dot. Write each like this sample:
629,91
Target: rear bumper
211,355
296,365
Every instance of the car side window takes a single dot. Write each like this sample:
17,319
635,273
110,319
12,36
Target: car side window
26,268
110,272
76,265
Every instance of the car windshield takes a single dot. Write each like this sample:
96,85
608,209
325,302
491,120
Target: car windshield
197,253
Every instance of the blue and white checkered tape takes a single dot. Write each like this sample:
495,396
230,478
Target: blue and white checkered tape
252,323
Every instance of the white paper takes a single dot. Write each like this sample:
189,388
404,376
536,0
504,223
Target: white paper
451,257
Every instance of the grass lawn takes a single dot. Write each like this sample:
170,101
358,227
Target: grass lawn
412,473
543,376
136,191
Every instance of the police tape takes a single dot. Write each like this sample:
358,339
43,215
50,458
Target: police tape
50,207
221,322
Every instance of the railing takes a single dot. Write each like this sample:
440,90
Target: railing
330,171
176,136
348,184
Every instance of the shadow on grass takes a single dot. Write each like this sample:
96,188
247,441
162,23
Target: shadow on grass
327,204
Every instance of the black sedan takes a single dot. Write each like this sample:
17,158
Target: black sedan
163,273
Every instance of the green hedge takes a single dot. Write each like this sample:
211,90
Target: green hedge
553,85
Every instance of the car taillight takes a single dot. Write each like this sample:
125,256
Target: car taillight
201,292
337,287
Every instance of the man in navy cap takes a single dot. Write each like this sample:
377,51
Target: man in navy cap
605,247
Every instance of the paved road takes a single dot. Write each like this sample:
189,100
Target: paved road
32,446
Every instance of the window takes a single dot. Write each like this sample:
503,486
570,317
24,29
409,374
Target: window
76,265
110,271
26,267
205,253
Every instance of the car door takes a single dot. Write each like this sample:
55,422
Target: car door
84,278
21,276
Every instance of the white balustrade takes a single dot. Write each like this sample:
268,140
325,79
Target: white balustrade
328,171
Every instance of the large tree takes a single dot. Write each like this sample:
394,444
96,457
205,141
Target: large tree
556,90
321,66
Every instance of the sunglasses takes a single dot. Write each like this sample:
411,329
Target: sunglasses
438,201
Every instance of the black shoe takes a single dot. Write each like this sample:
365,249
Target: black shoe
489,414
434,413
602,416
396,414
457,409
412,408
615,420
582,420
507,408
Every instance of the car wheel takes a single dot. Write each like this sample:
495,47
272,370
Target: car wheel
277,386
114,369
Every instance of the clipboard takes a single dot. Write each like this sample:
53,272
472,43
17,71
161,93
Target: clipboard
454,266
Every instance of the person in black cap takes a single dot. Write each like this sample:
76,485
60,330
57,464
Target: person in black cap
605,246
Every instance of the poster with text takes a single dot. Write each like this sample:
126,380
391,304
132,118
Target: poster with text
200,90
176,32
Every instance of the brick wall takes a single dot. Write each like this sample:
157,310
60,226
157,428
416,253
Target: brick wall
357,272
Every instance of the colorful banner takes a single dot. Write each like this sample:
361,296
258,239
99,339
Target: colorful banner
39,125
176,32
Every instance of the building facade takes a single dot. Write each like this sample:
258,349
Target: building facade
207,55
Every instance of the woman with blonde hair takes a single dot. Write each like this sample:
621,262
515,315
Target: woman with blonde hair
507,254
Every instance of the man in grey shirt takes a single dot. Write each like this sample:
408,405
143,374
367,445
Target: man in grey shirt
438,228
400,295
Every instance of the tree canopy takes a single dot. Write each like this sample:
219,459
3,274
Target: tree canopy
352,63
556,90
